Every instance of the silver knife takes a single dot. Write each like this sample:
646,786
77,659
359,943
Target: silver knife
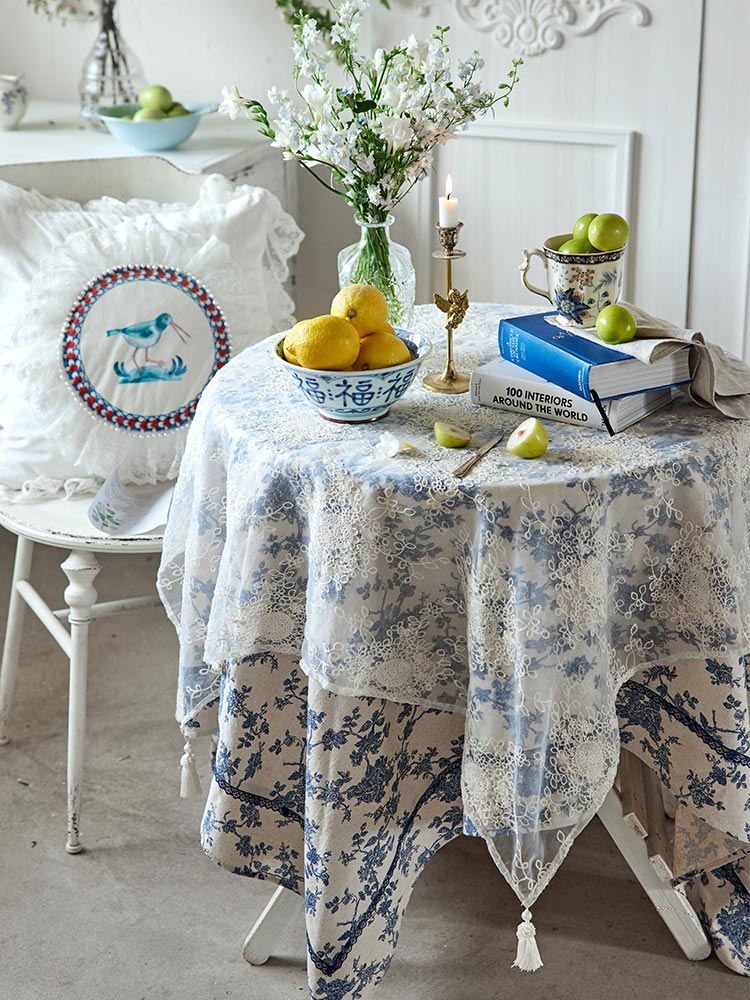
469,464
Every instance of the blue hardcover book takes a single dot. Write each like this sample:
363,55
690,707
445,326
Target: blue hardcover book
581,365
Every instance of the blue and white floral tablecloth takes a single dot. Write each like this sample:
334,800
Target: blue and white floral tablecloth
508,609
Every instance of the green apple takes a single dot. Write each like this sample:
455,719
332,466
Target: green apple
608,231
577,246
155,98
148,114
615,325
178,111
581,228
450,436
529,439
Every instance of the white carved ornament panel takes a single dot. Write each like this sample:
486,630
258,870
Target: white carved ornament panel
531,27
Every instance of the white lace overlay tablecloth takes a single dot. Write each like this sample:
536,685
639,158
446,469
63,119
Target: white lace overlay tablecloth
523,595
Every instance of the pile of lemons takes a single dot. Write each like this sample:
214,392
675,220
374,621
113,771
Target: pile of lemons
354,337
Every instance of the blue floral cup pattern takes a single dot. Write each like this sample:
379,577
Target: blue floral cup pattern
13,98
579,286
358,397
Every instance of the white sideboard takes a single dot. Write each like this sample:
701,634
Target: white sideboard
55,131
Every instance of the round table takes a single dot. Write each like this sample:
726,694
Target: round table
517,601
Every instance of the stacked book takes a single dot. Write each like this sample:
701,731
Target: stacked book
548,372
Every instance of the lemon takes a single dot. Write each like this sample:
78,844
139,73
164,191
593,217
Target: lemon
325,343
450,436
381,350
365,306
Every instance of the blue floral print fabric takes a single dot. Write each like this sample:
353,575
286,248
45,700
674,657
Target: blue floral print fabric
343,800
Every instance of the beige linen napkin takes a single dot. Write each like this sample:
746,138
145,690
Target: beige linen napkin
719,379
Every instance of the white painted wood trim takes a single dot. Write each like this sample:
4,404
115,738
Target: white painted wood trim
45,615
13,633
540,26
671,904
623,141
48,533
283,907
108,608
81,569
745,347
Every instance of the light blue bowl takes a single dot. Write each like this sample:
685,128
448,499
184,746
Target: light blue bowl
149,136
358,397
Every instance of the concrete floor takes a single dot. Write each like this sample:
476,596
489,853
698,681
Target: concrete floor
144,915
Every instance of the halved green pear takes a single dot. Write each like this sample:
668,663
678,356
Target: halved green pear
450,436
529,439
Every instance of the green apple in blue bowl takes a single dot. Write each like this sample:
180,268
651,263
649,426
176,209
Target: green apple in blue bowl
148,114
155,98
153,133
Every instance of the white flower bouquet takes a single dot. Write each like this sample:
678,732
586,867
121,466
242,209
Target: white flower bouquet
371,122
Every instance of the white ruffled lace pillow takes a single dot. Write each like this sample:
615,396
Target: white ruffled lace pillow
37,452
250,220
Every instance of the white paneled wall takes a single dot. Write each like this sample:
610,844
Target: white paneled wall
491,164
195,47
622,79
720,274
645,115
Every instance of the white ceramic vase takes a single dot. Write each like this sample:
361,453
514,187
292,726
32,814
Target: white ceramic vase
13,98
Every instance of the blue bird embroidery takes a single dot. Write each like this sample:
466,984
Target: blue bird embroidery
144,336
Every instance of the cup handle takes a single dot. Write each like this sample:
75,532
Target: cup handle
523,267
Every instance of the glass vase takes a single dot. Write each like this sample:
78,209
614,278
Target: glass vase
377,260
111,73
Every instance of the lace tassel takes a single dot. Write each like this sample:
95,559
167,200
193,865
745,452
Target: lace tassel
527,956
190,783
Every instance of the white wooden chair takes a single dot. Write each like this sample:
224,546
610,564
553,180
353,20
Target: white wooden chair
63,524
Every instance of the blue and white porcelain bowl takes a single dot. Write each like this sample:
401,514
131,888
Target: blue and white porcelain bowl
358,397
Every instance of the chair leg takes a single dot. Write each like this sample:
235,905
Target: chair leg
81,568
13,634
283,907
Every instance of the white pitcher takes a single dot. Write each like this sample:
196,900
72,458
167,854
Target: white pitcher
13,98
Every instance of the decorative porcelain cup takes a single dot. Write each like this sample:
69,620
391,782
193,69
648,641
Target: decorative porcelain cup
578,285
13,97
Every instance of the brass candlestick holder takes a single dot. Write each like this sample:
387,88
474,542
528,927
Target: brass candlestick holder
454,305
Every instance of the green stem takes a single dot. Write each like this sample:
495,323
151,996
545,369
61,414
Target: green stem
373,267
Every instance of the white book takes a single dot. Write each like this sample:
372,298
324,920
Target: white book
506,386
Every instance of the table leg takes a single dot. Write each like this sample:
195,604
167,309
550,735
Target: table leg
284,907
671,903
